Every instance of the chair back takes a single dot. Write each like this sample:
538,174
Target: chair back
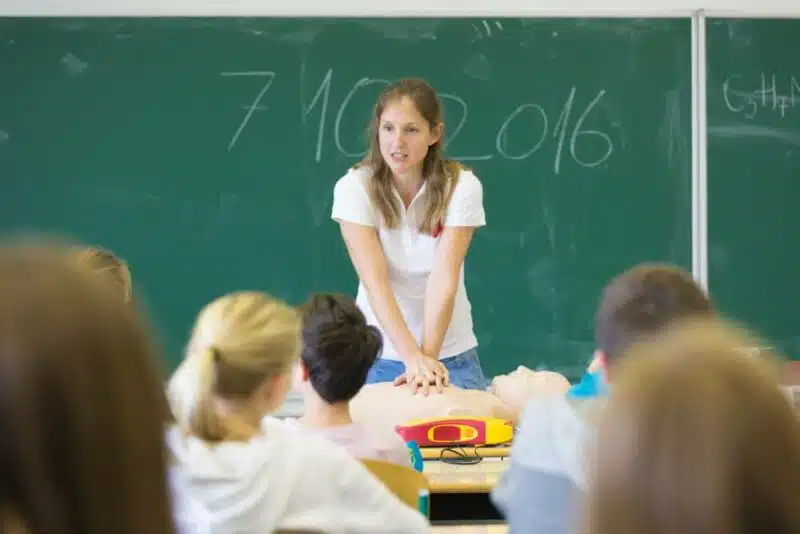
406,483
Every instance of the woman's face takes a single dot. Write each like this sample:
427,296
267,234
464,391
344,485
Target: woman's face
405,136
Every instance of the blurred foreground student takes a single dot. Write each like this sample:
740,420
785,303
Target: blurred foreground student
239,472
81,405
698,438
112,271
542,490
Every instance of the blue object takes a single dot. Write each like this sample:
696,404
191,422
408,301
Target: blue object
415,456
591,385
424,502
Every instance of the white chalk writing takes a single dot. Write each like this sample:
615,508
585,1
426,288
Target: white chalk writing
324,91
462,120
501,140
769,93
337,127
560,132
529,123
578,133
255,104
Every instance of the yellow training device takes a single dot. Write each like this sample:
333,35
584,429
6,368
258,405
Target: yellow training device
457,430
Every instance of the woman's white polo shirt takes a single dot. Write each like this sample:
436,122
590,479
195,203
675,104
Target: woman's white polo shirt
410,254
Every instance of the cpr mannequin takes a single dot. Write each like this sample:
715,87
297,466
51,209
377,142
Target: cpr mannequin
518,388
381,406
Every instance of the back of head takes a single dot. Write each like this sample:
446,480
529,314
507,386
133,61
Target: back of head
240,342
81,404
698,437
644,300
110,267
338,346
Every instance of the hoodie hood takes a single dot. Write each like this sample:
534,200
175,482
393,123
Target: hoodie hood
231,487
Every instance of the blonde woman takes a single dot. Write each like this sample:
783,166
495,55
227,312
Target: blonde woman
239,472
698,438
407,216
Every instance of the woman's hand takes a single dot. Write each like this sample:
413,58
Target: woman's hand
421,372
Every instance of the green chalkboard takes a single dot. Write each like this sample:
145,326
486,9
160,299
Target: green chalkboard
754,174
205,152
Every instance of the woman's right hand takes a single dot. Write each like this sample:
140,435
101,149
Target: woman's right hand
421,372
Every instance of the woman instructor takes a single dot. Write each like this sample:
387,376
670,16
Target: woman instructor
407,216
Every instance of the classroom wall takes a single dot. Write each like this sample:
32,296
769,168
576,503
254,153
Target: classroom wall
394,7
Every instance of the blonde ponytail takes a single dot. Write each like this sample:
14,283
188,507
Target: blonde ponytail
191,392
203,420
239,341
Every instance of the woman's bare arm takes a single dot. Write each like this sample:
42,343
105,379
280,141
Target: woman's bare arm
440,292
369,261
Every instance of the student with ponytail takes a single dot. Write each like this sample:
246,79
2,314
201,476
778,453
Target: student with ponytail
237,471
339,347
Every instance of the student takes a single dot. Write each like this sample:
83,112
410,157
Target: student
338,349
237,471
698,438
111,270
542,488
81,404
407,216
108,266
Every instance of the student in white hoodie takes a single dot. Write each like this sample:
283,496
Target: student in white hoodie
239,472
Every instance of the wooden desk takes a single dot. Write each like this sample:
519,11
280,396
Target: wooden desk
470,529
470,478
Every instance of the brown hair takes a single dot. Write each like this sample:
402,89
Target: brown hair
697,438
238,341
108,265
644,300
81,403
339,346
440,175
